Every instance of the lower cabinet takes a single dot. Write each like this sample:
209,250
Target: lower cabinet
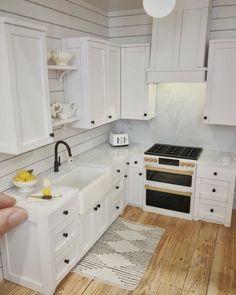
214,194
134,183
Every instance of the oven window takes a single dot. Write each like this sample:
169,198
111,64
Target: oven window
168,201
166,177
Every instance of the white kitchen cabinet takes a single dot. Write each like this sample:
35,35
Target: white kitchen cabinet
95,86
221,87
25,121
47,244
135,185
138,98
214,193
96,219
179,43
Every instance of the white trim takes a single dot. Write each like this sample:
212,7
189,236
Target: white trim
25,24
126,12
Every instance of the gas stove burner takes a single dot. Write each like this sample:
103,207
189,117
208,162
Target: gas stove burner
174,151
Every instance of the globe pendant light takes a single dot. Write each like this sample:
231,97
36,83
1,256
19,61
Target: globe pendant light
159,8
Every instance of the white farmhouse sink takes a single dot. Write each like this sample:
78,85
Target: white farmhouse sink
92,183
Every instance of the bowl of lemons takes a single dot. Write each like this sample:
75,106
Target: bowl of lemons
25,181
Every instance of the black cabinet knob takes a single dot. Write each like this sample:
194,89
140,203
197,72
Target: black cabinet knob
205,117
140,174
145,115
214,190
212,210
110,117
52,134
117,207
127,163
118,171
92,122
117,187
135,162
67,261
65,235
125,176
215,173
95,209
65,212
98,206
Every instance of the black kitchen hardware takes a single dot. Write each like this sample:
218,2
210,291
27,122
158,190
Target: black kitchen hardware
215,173
95,209
117,187
125,176
205,117
135,162
212,210
118,171
127,163
117,207
99,206
214,190
57,160
52,134
168,201
66,212
65,235
109,117
67,261
140,174
92,122
145,115
172,151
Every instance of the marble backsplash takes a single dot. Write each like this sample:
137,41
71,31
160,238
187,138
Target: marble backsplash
179,120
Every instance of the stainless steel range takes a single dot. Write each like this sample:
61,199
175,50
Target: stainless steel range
170,179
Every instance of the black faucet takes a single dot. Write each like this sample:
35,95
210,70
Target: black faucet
57,162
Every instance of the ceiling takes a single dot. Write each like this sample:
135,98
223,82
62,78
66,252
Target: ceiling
114,5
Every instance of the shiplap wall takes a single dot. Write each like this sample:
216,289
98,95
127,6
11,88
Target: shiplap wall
63,18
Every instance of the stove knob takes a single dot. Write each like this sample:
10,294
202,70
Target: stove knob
192,165
155,160
146,159
151,160
188,164
181,164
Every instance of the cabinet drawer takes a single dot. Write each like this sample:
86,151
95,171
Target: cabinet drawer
216,173
63,236
214,190
135,162
213,211
117,187
62,215
65,261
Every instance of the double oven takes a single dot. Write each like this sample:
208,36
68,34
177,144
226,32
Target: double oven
169,185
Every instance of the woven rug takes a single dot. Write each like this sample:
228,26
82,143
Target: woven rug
121,255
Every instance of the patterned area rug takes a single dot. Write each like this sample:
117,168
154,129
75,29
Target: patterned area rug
122,254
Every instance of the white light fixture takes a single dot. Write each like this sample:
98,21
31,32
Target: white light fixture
159,8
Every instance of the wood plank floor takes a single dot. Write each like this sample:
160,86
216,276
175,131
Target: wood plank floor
192,258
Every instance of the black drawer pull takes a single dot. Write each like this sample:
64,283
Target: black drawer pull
145,115
52,134
118,171
205,117
117,207
92,122
95,209
117,187
110,117
214,190
125,176
212,210
65,212
67,261
140,174
136,162
65,235
98,206
215,173
127,163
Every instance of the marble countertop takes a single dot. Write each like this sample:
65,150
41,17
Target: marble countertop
217,158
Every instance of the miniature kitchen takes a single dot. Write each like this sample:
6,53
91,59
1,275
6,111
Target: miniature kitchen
118,147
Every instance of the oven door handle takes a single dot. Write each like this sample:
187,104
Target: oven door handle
169,191
166,170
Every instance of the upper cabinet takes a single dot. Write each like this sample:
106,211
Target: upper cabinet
95,86
25,121
179,43
138,98
221,87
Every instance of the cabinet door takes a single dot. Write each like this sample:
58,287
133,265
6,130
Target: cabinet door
97,60
101,217
221,87
134,89
113,83
27,89
135,186
86,237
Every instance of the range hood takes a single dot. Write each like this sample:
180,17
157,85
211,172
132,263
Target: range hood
179,43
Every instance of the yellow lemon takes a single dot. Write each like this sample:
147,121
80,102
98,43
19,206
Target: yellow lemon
17,178
24,175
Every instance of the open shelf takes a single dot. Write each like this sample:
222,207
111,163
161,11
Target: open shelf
62,70
60,122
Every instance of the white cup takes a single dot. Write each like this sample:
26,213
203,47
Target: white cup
55,109
68,110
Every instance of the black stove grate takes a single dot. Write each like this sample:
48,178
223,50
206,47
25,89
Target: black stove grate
172,151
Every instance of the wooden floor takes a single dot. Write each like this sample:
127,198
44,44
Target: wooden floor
192,258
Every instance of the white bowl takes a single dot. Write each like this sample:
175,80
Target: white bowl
61,58
25,186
